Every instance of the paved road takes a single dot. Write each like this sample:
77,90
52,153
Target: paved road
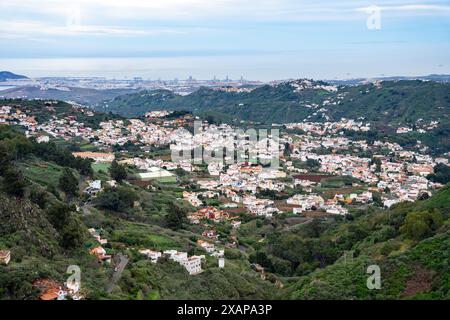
123,261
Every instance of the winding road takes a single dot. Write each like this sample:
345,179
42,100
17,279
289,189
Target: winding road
123,261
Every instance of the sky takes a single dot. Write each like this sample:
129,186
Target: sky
257,39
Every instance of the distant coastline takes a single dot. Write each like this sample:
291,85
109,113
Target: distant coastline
252,67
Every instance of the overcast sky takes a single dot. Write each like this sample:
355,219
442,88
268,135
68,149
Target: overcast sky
330,36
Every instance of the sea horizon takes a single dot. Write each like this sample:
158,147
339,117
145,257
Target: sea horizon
260,67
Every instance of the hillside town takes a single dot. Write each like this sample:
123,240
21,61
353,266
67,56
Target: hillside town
383,167
228,175
234,153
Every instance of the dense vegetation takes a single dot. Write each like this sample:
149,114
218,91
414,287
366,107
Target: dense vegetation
410,244
265,104
45,232
396,102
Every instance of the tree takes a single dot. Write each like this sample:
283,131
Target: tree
315,228
261,258
180,172
58,215
5,156
13,183
118,199
68,183
287,149
281,266
66,223
117,171
313,164
72,234
420,225
175,217
377,162
38,197
441,174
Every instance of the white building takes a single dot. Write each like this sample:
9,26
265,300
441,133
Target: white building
5,256
193,264
221,262
42,139
209,247
152,255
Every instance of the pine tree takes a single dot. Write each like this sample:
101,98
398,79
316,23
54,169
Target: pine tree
117,171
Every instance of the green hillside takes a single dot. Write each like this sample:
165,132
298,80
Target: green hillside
389,102
45,233
395,102
265,104
41,186
410,244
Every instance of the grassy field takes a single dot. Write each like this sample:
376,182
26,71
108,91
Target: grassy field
100,166
44,173
141,235
87,147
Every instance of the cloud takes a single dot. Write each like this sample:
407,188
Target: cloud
192,10
140,18
398,12
409,8
17,29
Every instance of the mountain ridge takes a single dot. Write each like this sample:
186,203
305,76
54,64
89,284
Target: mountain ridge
7,75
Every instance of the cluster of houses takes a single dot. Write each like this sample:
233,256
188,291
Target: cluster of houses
402,174
323,128
12,115
362,198
399,176
52,290
112,132
260,207
213,251
310,202
419,126
99,251
223,137
158,114
66,128
210,214
192,264
192,198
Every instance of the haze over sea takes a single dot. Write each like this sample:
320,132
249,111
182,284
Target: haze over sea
264,67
